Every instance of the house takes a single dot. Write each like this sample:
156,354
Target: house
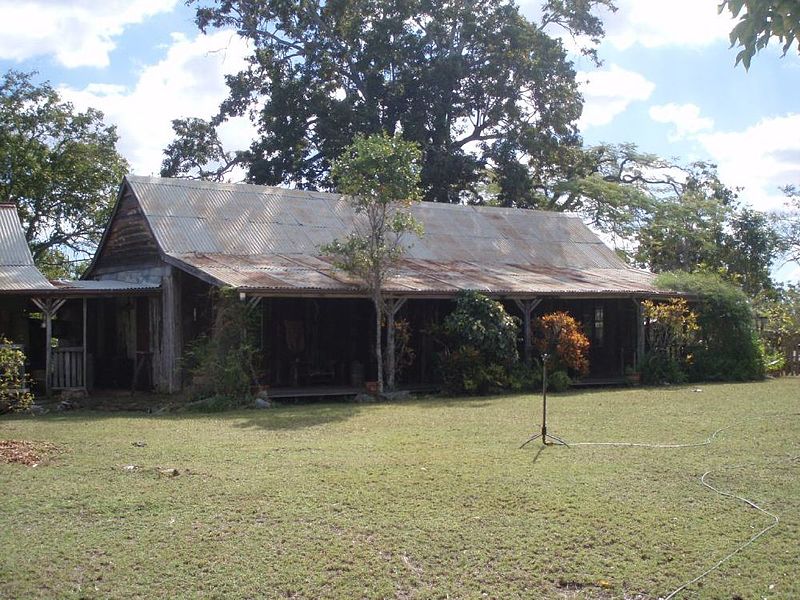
186,238
51,320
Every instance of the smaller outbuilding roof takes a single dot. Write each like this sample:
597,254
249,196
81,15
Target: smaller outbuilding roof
19,275
17,270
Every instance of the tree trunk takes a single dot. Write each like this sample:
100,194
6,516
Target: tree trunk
393,307
390,357
526,307
376,300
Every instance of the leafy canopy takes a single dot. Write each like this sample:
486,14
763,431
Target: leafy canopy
60,167
380,175
457,77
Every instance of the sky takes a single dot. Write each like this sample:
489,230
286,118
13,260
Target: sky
667,83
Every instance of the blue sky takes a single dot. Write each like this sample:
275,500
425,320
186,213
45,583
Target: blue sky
667,83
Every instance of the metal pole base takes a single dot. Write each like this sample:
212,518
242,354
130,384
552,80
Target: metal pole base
544,437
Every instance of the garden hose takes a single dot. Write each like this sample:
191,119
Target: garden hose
703,481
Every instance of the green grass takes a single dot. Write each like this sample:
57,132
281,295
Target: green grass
424,499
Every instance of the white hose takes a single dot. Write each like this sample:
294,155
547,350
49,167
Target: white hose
703,481
707,442
716,565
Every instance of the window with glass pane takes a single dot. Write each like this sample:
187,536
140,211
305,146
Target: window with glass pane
598,325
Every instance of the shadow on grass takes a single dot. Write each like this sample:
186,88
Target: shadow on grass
290,418
282,418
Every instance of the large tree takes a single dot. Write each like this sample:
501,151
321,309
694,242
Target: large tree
759,21
59,167
458,77
701,226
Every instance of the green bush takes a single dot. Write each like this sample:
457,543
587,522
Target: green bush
727,348
524,378
15,395
558,381
222,364
465,372
480,346
658,368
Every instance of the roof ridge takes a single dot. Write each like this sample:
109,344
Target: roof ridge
203,184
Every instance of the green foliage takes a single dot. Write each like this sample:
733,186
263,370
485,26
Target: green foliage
781,333
525,378
761,21
787,223
481,345
466,371
727,347
196,152
671,328
380,175
15,395
456,77
700,228
683,233
657,368
222,365
60,167
483,324
558,381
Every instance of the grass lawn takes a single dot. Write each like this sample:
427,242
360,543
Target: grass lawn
429,498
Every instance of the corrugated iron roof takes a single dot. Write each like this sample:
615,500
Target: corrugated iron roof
267,239
93,287
17,271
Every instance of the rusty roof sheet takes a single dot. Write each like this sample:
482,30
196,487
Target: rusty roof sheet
267,239
17,271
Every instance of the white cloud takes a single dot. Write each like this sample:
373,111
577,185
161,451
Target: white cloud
188,82
655,23
77,32
761,158
609,92
685,117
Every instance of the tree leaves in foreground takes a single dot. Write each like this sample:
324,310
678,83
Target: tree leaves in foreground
761,21
457,77
60,167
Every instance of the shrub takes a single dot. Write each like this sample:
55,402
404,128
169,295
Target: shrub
480,346
671,328
15,395
558,381
222,364
726,348
524,378
560,336
657,368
